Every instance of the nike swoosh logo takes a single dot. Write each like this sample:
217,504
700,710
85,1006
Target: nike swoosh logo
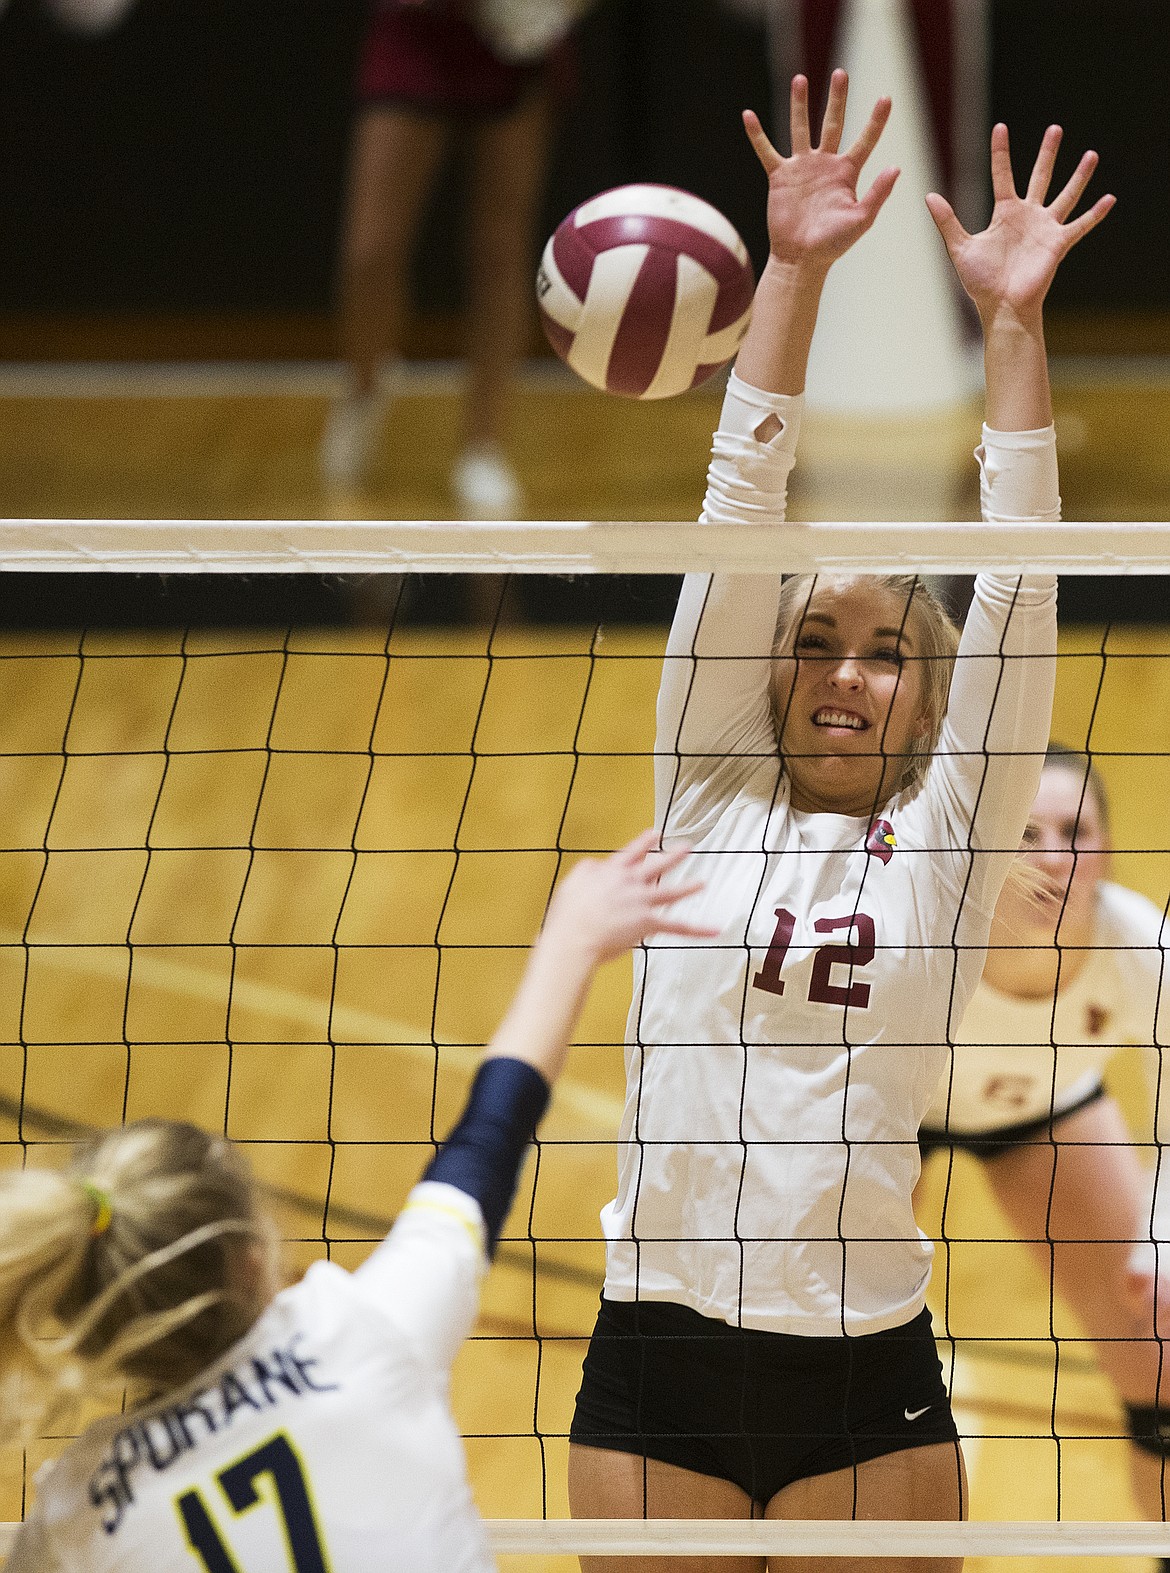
913,1414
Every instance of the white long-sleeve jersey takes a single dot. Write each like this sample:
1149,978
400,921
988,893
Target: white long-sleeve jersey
777,1075
1018,1060
323,1439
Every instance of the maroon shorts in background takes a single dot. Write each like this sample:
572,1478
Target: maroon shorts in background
436,62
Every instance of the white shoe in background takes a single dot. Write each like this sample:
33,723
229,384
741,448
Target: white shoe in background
352,429
485,484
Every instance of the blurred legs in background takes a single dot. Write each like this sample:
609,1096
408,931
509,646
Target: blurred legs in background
423,83
507,184
396,154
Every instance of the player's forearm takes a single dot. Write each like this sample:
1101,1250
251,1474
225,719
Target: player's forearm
1015,364
547,1005
774,354
483,1154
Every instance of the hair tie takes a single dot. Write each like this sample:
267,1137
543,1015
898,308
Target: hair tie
103,1214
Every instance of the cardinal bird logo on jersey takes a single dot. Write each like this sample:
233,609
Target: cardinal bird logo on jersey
1096,1018
881,841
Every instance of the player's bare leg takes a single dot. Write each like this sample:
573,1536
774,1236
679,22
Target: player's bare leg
920,1483
1078,1206
396,155
605,1484
510,160
510,157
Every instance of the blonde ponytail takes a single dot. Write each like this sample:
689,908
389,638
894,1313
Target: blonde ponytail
138,1265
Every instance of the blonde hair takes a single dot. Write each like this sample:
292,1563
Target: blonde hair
937,643
137,1265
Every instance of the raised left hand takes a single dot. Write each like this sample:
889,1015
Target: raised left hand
1013,261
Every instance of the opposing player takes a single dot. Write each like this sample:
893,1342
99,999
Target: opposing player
309,1428
763,1345
1075,969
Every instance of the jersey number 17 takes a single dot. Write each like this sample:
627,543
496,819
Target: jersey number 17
277,1460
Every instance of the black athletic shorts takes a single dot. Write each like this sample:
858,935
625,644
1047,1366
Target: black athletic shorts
990,1144
758,1409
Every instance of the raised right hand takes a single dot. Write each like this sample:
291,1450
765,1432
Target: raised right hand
814,212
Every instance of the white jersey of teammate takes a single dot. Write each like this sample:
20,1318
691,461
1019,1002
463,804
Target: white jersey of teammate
323,1439
1018,1060
777,1075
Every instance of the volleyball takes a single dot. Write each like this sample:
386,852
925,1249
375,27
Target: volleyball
645,291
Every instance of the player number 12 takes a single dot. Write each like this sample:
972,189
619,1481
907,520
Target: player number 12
821,988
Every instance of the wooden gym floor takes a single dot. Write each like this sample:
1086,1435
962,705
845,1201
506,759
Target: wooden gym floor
304,934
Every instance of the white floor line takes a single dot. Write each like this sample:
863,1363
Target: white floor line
243,379
413,379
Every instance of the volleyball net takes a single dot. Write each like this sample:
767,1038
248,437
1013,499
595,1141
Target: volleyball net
282,883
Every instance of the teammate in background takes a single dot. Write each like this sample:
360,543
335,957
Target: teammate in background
151,1262
1074,971
763,1345
425,72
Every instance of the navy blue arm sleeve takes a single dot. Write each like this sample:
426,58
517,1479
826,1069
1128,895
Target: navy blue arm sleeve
483,1154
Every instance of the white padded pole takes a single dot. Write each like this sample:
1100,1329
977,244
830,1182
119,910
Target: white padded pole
890,335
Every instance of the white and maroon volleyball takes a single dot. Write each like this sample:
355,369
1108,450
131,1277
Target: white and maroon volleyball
645,291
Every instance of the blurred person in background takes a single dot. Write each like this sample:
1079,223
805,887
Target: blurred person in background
493,70
1075,970
84,16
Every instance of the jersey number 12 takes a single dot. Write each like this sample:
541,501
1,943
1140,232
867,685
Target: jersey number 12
821,988
276,1459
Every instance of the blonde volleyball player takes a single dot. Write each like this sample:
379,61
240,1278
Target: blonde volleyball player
306,1429
763,1346
1074,971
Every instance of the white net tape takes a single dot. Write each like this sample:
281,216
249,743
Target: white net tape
621,1537
567,546
817,1538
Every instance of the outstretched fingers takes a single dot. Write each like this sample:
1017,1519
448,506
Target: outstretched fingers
874,199
1041,177
667,860
633,854
668,895
762,147
1080,227
868,140
798,116
946,221
665,897
689,930
643,852
1003,183
833,124
1065,201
